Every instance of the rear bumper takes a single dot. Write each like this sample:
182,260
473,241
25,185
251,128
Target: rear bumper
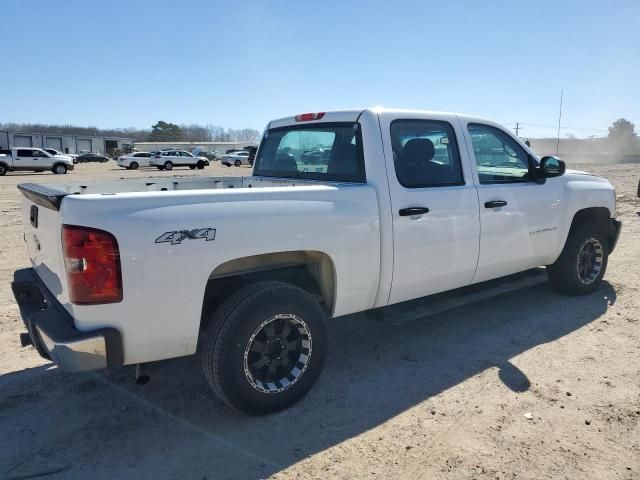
53,333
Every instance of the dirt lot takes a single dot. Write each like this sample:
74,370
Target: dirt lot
443,397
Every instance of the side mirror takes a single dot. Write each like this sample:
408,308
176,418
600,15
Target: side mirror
551,167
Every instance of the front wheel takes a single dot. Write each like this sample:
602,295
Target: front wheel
60,169
265,347
168,165
582,263
200,164
238,163
3,169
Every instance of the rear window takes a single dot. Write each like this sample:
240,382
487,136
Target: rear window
324,151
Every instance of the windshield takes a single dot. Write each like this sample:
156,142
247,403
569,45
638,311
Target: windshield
325,151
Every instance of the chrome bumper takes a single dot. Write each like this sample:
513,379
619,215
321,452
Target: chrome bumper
52,332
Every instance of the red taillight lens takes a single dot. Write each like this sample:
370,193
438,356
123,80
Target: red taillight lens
305,117
92,262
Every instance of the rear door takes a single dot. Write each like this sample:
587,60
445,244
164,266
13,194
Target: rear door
436,226
23,159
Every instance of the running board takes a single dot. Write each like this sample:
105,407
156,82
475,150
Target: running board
411,310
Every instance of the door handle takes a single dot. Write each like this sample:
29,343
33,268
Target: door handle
495,204
406,212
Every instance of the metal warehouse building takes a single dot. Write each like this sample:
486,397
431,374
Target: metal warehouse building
218,147
65,143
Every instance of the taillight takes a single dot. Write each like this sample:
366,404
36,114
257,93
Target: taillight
305,117
92,262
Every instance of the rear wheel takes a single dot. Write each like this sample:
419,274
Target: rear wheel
59,169
134,165
265,347
583,261
238,163
3,169
168,165
200,164
192,167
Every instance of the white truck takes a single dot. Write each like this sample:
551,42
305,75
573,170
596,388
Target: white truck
247,270
33,159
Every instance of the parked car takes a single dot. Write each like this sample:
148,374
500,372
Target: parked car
33,159
248,269
238,158
92,157
167,159
55,152
134,160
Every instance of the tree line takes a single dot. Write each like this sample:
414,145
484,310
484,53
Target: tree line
160,132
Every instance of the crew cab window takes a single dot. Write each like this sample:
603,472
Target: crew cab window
499,158
425,154
25,153
324,151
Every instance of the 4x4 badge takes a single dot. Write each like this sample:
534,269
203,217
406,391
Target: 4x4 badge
177,236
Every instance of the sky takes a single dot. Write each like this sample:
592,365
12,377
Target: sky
237,64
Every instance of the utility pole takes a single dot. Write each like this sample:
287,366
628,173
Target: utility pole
518,127
559,120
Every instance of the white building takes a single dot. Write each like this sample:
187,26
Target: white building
65,143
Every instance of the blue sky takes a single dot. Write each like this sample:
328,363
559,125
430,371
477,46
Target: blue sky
240,63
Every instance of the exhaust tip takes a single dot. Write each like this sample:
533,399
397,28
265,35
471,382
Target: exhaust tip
142,374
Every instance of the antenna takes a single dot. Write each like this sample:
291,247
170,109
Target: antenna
559,120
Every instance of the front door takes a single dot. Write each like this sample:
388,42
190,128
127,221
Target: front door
436,225
519,217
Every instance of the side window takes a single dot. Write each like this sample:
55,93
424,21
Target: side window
425,154
499,158
38,153
25,153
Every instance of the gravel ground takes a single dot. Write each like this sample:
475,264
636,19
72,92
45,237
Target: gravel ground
531,384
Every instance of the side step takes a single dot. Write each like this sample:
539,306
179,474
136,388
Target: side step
411,310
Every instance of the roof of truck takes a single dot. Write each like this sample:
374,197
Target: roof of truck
352,114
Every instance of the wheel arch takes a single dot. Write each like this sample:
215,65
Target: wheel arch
600,216
311,270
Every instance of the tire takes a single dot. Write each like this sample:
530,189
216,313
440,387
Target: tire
237,163
133,165
234,361
168,165
59,169
583,261
3,169
200,165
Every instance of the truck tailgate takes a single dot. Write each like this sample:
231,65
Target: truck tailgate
42,224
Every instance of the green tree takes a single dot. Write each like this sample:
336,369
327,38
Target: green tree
165,132
622,129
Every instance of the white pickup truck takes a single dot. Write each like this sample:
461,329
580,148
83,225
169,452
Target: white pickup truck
247,270
33,159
